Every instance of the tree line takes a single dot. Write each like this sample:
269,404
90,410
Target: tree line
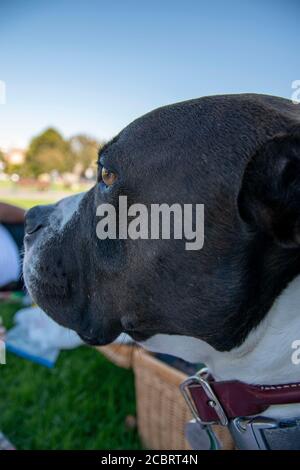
50,151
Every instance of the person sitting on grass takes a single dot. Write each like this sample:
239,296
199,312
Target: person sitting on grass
11,244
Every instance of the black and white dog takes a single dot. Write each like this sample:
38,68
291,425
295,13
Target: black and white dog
234,304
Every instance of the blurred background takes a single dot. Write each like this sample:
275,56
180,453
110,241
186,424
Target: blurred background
73,74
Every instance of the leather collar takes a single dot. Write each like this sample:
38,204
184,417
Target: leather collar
219,402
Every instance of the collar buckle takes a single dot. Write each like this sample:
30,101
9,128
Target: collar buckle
201,379
248,434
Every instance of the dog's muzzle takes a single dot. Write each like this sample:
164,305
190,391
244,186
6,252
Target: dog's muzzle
37,218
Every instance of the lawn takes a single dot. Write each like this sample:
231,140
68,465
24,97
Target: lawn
27,196
25,203
81,403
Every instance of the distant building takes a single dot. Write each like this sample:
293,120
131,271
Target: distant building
15,156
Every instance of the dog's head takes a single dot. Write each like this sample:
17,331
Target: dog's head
238,155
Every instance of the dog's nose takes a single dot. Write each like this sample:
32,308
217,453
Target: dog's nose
37,217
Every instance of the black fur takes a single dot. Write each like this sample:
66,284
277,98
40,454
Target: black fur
239,156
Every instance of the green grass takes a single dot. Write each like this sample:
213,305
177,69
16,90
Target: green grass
26,203
80,404
28,197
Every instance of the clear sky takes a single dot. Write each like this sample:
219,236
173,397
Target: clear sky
93,66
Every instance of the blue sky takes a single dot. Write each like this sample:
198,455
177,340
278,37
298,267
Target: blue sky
93,66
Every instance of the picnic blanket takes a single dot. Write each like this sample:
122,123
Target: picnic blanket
38,338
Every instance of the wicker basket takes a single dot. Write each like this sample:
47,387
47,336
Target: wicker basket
161,410
119,354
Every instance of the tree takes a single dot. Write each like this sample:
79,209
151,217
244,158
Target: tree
85,150
47,152
2,161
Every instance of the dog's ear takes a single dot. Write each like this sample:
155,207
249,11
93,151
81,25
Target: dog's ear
269,199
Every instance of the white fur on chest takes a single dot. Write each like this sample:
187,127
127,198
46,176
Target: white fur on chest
264,358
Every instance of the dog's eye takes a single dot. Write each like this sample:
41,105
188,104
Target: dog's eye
108,177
